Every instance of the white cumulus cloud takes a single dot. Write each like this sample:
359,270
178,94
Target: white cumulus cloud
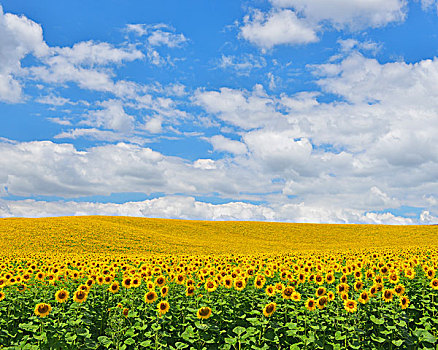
19,36
275,28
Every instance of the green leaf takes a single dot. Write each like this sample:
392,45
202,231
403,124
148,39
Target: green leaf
239,330
402,323
145,343
254,321
398,342
180,345
130,333
132,313
377,339
129,341
188,334
339,336
70,338
201,326
231,341
376,320
424,336
30,327
105,341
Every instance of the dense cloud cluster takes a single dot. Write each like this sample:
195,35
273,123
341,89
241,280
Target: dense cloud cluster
278,157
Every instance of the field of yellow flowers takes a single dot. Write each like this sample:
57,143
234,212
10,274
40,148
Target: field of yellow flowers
135,283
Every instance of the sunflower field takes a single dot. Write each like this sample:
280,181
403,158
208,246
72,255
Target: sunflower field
122,291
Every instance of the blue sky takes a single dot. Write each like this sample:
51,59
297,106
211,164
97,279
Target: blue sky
280,110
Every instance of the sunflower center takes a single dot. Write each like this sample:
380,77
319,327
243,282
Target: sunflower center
42,309
204,311
288,292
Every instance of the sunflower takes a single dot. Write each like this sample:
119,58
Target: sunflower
310,304
259,283
164,291
434,283
270,291
180,279
163,307
89,282
394,278
344,296
331,296
125,312
296,296
321,302
2,295
350,305
358,285
410,273
160,281
399,289
358,275
39,276
84,287
369,274
269,309
364,297
430,273
404,301
61,296
279,287
150,285
342,288
21,287
343,279
80,296
204,312
320,291
228,282
210,286
127,282
190,290
387,295
379,287
136,282
114,287
42,309
150,297
239,284
330,278
384,270
287,292
319,279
